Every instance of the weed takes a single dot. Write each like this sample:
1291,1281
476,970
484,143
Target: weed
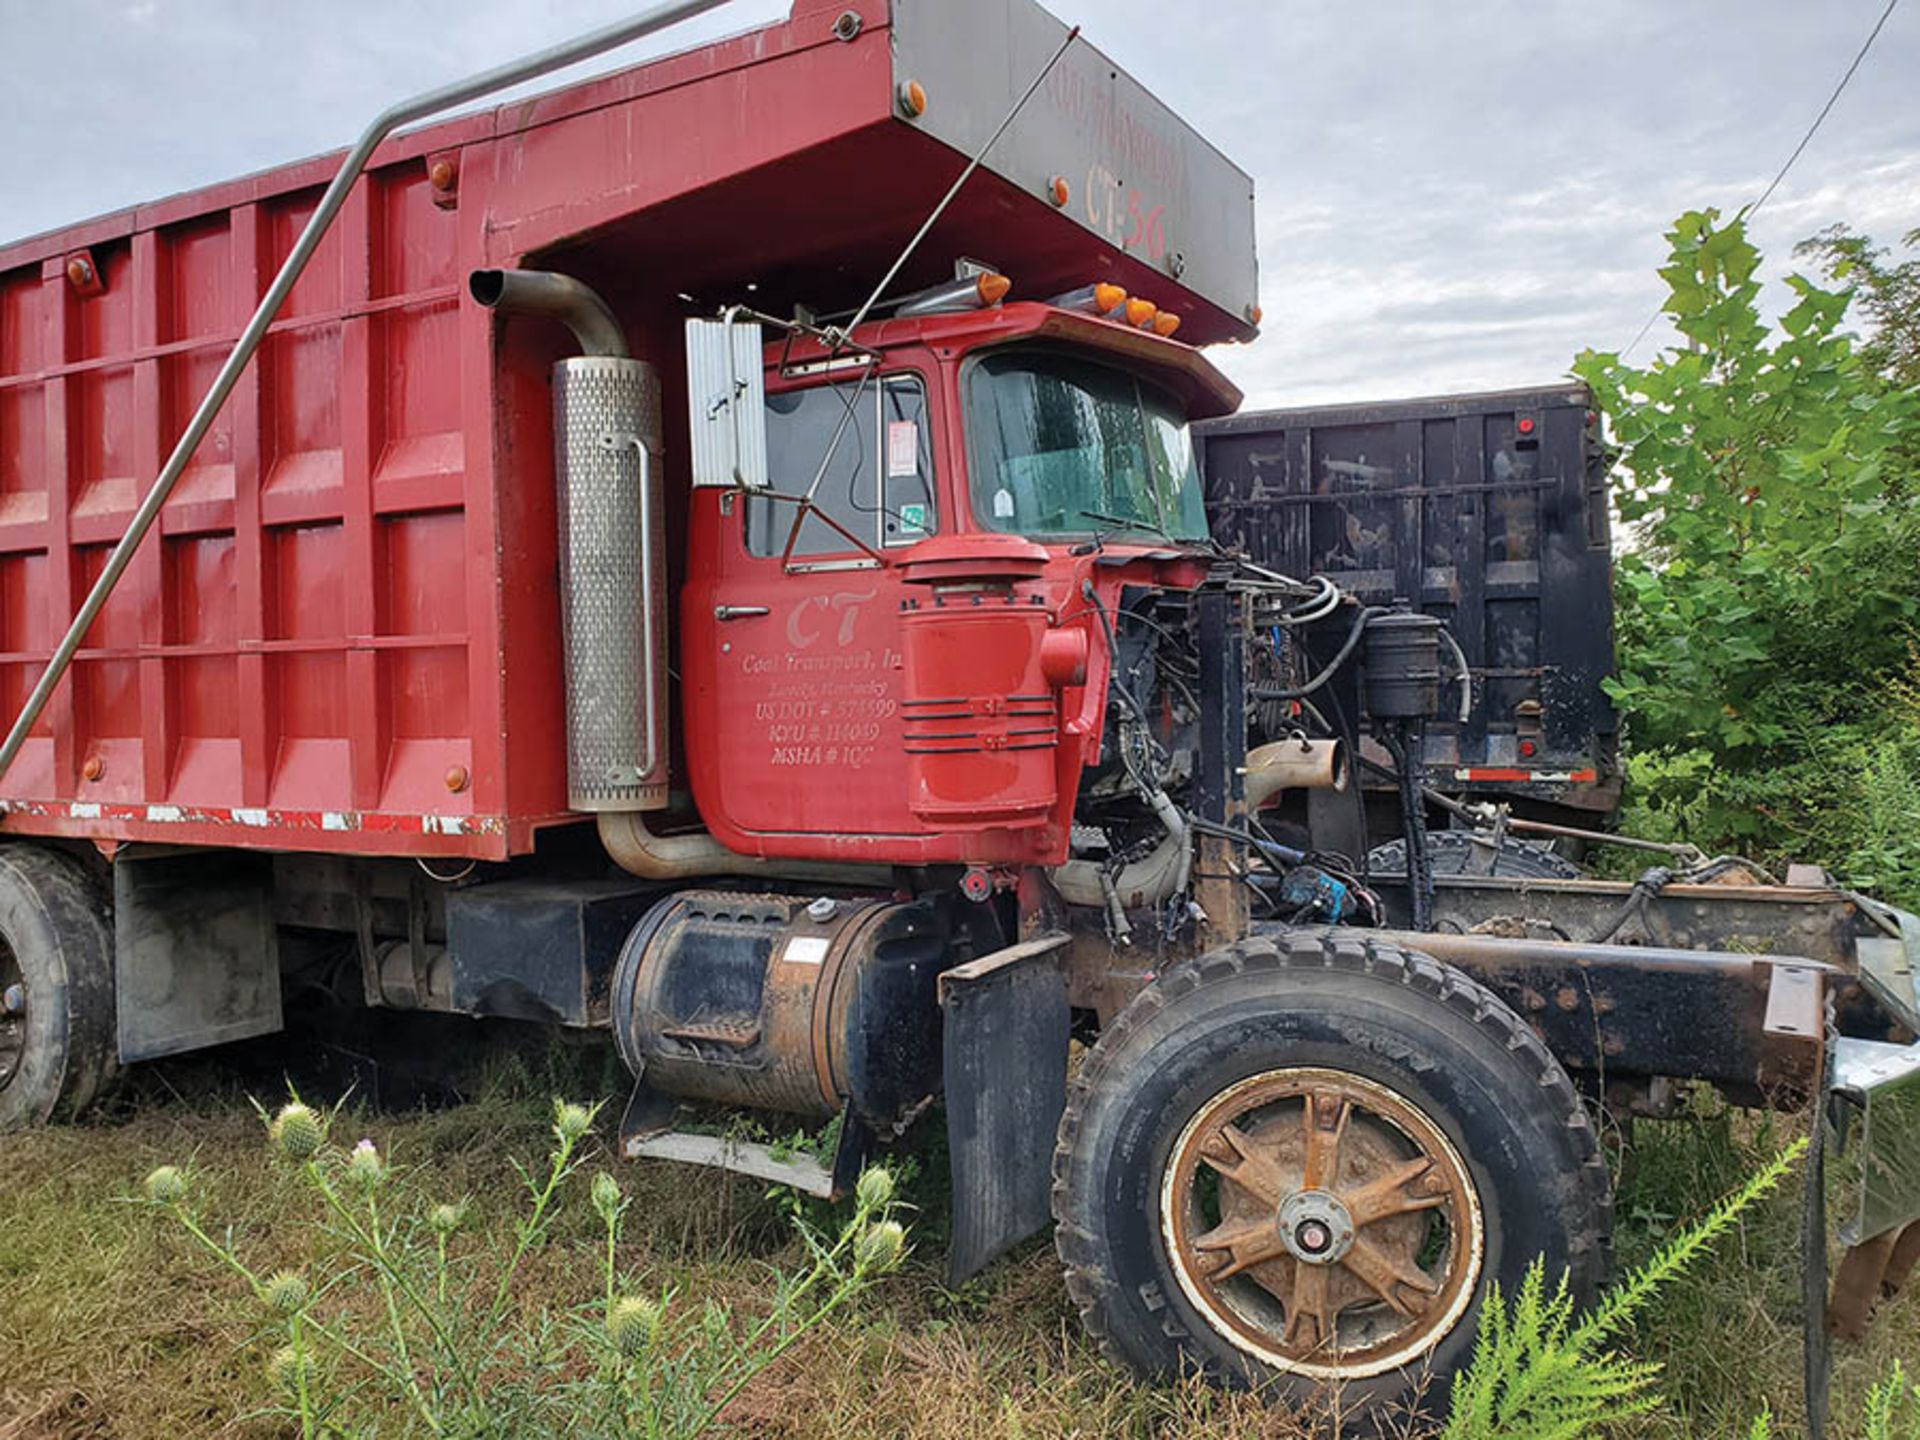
403,1315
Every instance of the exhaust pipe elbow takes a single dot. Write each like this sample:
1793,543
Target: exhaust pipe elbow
1148,881
636,849
1297,764
563,298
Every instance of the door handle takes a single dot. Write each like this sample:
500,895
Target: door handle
738,612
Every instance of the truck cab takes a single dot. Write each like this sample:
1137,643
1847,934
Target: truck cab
920,631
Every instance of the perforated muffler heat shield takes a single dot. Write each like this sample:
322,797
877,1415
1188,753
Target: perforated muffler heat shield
608,443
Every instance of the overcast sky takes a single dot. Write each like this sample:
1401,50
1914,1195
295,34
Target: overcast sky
1451,195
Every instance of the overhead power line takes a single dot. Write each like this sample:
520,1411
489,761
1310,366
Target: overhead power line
1812,129
1805,140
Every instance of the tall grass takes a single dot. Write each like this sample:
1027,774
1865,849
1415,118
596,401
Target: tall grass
115,1322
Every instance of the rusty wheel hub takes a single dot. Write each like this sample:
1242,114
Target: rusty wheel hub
1322,1223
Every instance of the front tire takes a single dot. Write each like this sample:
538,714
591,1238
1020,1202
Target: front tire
57,1049
1301,1160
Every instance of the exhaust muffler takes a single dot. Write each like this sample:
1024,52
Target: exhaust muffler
609,440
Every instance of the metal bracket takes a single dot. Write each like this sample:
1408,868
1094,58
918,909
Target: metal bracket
647,1133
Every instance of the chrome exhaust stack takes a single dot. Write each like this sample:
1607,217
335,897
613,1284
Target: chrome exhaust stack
609,441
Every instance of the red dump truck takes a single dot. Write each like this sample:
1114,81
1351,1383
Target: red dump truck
691,556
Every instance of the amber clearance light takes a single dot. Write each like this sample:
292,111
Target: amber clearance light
1165,323
1100,298
992,288
1140,313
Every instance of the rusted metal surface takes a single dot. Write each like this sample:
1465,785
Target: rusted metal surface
798,1004
1635,1010
1867,1274
1342,1236
1817,924
984,968
1902,1261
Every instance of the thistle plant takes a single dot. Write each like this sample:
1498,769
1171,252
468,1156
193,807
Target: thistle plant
412,1316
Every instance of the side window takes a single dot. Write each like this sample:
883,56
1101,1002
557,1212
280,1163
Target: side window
878,480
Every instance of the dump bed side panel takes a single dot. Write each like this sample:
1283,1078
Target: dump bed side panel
301,653
1489,511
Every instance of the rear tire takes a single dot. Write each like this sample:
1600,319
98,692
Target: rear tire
1458,852
56,956
1460,1153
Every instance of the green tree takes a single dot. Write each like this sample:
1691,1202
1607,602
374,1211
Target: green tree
1770,584
1886,293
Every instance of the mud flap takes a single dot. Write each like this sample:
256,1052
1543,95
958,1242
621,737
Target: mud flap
1005,1047
196,955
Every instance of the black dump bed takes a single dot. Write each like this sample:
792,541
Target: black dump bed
1489,511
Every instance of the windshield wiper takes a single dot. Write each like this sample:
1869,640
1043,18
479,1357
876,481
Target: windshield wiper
1113,523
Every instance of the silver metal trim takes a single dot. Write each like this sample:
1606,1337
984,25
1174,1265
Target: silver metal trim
1884,1081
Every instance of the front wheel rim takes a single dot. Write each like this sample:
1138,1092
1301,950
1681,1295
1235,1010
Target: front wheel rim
1322,1223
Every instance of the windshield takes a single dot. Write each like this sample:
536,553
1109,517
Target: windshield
1062,445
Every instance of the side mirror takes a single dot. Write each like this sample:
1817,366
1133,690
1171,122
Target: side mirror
727,404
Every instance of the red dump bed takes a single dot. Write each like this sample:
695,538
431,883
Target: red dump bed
343,634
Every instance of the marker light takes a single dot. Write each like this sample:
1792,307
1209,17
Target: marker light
1059,192
1254,314
1100,298
970,292
913,99
1165,323
1525,427
1140,313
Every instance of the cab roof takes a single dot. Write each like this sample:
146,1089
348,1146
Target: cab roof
1204,391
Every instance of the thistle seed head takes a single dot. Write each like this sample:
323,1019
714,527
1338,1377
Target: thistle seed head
299,1131
292,1370
633,1324
167,1186
606,1196
285,1293
880,1246
874,1191
365,1167
445,1219
571,1122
